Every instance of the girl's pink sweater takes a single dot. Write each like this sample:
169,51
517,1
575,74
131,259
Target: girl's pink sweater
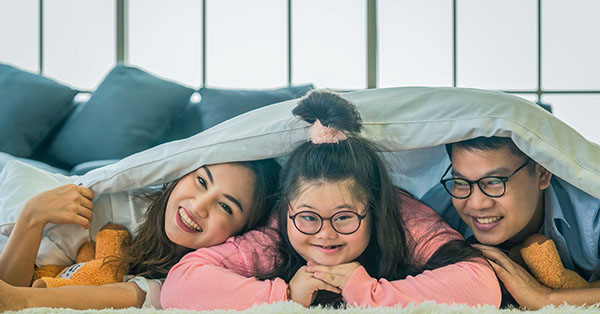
220,277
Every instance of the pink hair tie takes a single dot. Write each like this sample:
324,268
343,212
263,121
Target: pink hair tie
320,134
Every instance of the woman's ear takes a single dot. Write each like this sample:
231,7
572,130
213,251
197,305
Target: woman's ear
544,176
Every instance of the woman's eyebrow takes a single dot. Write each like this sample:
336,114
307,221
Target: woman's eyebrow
235,201
229,197
209,174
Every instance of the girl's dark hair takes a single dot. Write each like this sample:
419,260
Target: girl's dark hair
152,254
387,254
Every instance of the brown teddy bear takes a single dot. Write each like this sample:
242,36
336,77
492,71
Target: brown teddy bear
541,257
96,262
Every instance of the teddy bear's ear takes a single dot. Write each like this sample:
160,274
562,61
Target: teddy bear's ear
87,252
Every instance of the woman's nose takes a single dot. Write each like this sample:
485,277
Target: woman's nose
201,206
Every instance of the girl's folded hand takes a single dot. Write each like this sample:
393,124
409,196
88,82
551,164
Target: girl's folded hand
336,276
304,287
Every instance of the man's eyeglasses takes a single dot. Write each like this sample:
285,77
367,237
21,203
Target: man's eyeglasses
344,222
492,186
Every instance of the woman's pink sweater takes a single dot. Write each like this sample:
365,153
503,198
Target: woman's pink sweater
220,277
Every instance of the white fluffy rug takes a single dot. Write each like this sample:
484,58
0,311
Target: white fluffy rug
293,308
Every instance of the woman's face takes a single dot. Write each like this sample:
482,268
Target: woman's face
209,205
328,247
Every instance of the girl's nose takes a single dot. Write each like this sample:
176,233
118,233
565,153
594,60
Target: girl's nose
327,231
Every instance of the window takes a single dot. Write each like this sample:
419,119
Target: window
20,48
328,43
415,43
497,44
537,49
246,43
79,41
165,38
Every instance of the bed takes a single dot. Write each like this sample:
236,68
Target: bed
412,124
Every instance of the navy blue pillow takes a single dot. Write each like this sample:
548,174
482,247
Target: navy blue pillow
128,112
30,107
218,105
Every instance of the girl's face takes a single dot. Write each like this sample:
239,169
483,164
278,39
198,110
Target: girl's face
209,205
328,247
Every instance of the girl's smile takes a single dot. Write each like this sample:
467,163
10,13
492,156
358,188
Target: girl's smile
328,249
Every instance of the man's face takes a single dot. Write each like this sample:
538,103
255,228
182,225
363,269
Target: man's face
511,217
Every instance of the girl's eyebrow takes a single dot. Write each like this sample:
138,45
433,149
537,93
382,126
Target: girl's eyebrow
229,197
343,206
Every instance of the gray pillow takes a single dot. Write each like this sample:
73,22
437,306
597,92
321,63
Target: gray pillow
30,107
126,114
218,105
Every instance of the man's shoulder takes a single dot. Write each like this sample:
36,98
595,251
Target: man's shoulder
564,200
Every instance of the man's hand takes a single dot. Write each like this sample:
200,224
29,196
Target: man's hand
526,290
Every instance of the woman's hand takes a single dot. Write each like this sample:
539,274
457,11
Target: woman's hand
304,287
336,276
526,290
67,204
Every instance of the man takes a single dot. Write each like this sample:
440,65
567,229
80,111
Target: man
503,197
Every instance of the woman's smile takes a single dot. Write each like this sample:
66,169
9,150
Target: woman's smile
186,222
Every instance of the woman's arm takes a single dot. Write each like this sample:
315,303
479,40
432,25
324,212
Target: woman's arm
219,276
68,204
17,259
117,295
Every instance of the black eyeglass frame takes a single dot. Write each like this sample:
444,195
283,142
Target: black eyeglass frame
471,183
360,219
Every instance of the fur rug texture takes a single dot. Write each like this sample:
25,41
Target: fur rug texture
294,308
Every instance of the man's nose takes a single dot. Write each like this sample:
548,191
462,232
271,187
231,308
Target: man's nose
478,200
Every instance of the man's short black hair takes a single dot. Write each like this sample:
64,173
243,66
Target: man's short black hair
487,143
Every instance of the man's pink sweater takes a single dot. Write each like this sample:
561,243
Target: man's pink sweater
220,277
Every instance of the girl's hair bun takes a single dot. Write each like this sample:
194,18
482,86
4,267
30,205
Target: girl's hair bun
331,110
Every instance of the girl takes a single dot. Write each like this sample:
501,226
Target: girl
346,235
201,209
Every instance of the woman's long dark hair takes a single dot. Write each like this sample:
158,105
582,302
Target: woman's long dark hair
388,254
152,254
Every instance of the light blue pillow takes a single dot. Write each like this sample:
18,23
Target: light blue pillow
30,107
128,112
218,105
